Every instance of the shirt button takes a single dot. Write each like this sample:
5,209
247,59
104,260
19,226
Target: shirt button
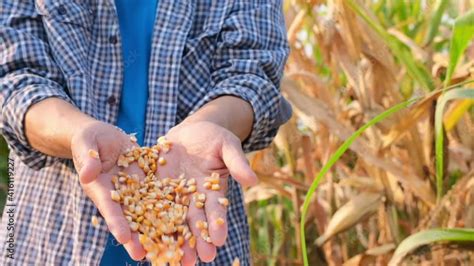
111,100
113,39
62,10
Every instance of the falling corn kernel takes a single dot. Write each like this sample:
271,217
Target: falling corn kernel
215,187
93,154
161,140
199,205
95,221
236,262
223,201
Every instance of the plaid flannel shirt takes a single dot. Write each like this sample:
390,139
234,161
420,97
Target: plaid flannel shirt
201,49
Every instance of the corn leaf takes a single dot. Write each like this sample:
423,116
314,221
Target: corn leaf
429,236
333,159
440,8
417,71
463,32
439,141
452,118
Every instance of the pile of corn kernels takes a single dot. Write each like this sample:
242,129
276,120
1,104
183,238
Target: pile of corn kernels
157,208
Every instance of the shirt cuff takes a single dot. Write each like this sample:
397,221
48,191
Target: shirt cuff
270,109
12,122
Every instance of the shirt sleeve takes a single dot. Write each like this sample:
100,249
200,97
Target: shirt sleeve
251,52
28,75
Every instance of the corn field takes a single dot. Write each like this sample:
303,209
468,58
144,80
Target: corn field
376,166
351,61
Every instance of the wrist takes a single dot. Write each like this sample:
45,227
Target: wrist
50,125
229,112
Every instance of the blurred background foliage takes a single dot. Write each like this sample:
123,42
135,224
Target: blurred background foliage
351,60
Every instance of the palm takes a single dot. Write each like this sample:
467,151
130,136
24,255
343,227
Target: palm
198,150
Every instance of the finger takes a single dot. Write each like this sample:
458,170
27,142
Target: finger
235,161
189,257
205,250
87,162
134,248
99,192
216,213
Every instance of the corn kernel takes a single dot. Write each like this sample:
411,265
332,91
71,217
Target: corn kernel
134,226
95,221
192,242
223,201
162,161
220,221
236,262
93,154
115,195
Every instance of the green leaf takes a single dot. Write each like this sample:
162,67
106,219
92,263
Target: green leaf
417,71
439,154
429,236
463,32
333,159
440,7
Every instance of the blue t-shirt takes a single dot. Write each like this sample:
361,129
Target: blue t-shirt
136,19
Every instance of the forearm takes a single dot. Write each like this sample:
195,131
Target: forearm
50,125
230,112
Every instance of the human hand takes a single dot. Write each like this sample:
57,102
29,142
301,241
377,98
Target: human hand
96,149
199,149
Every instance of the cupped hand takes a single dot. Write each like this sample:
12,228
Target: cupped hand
199,149
95,149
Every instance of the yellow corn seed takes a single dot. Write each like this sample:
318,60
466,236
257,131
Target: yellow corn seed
162,161
223,201
192,189
220,221
236,262
115,195
207,185
192,242
93,154
215,187
134,226
95,221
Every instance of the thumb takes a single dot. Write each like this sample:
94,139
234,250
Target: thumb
235,161
87,161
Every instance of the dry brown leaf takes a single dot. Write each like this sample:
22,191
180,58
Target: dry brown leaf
416,112
361,182
416,50
260,192
313,109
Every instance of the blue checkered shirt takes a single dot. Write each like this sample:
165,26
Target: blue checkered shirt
202,49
